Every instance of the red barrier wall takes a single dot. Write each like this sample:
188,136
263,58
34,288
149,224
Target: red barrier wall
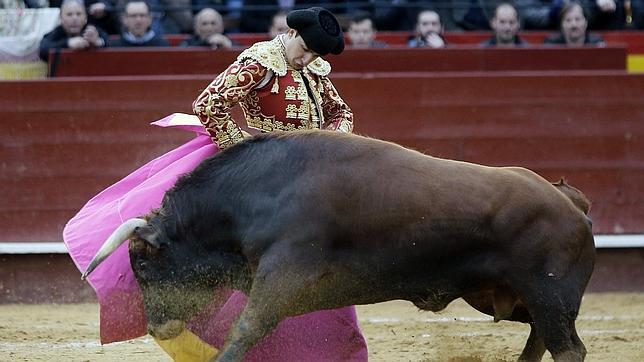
53,278
64,140
170,61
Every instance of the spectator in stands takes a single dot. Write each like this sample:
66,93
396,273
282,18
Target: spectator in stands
505,24
574,28
103,14
73,31
429,30
137,32
209,31
362,33
278,24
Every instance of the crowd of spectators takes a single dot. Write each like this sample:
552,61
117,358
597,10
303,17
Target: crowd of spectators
207,23
254,16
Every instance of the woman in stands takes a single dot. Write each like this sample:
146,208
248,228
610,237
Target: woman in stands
280,84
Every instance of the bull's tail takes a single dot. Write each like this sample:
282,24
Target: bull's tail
576,196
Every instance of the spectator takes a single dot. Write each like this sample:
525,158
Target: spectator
505,24
209,31
103,14
73,31
574,28
362,33
168,16
429,30
278,24
137,32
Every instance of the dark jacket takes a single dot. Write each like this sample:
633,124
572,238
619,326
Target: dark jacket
57,39
196,41
110,22
150,39
558,39
492,42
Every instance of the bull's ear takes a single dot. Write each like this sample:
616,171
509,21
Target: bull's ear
149,234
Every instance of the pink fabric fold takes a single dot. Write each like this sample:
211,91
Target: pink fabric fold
320,336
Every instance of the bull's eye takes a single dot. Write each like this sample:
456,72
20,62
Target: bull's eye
143,264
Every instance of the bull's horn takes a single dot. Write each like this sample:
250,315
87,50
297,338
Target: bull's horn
117,238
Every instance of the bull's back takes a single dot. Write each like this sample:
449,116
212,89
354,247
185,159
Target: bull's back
345,187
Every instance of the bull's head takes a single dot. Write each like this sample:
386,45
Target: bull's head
176,276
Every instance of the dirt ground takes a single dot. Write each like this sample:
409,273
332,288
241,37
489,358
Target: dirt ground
611,326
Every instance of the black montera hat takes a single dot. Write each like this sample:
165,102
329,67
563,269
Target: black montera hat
319,28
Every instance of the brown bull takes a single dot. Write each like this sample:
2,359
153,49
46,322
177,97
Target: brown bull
317,220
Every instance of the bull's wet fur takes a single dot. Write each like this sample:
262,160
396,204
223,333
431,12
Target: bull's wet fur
318,220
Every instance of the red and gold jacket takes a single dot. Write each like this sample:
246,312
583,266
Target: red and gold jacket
272,96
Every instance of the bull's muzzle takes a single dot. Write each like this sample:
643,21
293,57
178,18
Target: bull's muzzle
168,330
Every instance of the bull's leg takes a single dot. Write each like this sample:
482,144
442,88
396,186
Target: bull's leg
534,347
577,341
554,309
251,326
281,287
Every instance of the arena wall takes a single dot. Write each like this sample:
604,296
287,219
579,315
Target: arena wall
176,61
64,140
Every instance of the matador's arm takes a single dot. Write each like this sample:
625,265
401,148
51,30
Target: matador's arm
229,88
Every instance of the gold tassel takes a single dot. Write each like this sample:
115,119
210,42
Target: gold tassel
276,86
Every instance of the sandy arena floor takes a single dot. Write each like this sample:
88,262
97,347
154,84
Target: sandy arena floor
611,326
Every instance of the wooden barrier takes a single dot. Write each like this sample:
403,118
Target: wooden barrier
64,140
174,61
53,278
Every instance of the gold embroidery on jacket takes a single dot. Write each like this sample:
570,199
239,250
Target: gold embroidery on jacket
270,54
235,86
317,116
303,110
319,67
290,93
291,111
214,103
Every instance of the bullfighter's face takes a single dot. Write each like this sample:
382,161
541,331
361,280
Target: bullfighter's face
298,53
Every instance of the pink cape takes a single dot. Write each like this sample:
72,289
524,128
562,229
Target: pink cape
324,335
